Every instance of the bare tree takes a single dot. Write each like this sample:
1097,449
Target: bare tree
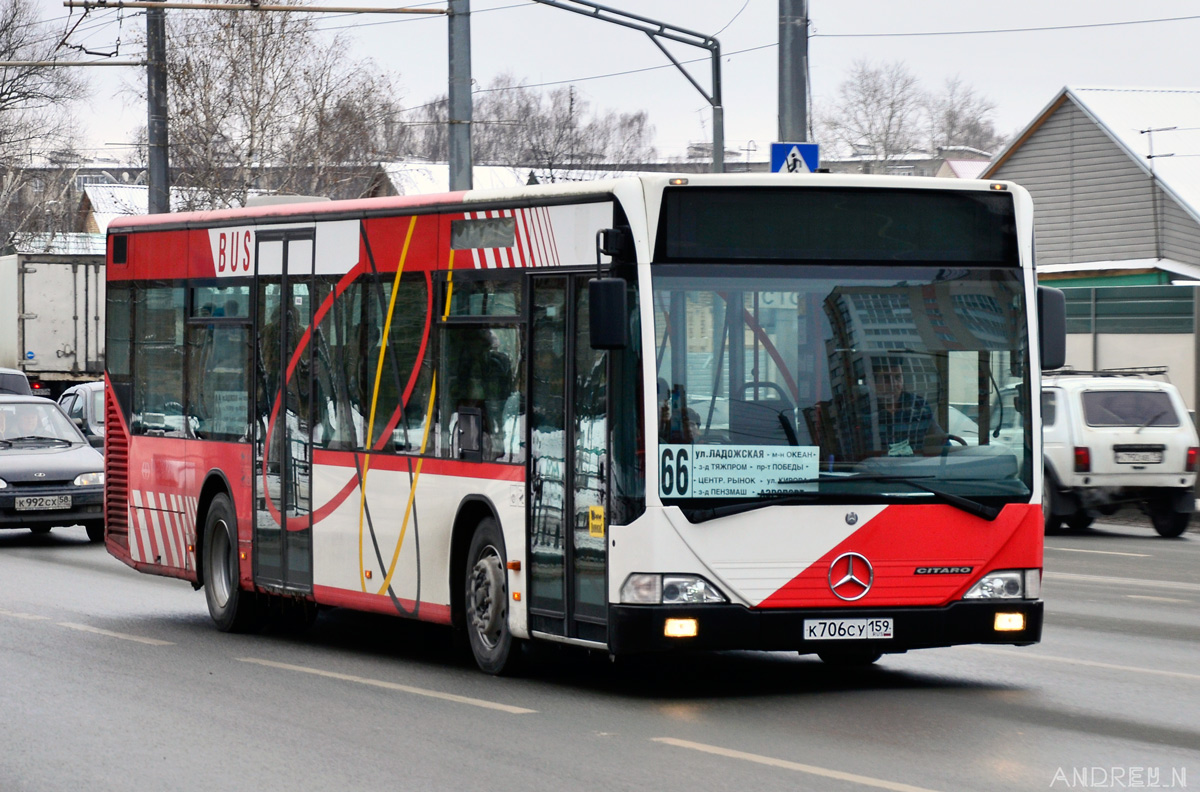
960,117
290,112
35,125
879,111
882,113
554,131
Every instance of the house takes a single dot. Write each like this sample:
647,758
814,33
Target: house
1115,179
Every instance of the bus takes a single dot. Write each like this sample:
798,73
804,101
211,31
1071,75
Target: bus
654,414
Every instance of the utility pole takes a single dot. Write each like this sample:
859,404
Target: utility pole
460,95
793,71
159,176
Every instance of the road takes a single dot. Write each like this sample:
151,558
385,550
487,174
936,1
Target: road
117,681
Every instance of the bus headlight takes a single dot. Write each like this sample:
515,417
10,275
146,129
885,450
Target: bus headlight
1007,584
89,479
647,589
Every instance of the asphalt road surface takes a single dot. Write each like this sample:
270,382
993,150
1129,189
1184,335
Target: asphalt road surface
112,680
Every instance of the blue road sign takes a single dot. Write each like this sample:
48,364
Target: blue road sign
795,157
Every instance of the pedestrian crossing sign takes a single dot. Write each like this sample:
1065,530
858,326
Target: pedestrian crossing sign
795,157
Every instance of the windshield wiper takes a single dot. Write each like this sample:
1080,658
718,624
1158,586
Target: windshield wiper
704,515
976,508
1157,415
39,438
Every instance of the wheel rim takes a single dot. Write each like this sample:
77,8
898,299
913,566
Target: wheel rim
485,598
221,564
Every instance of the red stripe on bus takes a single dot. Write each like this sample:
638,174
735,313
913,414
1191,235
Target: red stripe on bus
381,603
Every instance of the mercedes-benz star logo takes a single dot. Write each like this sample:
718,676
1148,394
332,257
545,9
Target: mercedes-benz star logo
846,576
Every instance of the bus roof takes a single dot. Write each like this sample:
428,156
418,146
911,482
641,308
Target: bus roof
532,195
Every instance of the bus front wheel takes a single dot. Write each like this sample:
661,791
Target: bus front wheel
231,608
486,601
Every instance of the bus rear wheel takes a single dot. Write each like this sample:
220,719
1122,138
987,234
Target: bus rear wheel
486,601
231,608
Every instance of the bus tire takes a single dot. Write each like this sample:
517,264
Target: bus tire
232,609
95,530
486,601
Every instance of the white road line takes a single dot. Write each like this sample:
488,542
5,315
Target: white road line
111,634
1158,599
416,691
877,783
1117,581
1088,663
1099,552
30,616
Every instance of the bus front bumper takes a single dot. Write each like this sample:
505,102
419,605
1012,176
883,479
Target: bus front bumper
642,628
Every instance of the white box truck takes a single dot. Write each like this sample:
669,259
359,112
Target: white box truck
52,318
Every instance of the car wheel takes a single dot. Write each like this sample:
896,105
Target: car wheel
486,601
1079,521
1050,500
231,608
1167,521
95,530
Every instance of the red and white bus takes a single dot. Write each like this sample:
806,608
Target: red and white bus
714,412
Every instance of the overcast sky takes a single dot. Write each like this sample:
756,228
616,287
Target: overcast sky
620,69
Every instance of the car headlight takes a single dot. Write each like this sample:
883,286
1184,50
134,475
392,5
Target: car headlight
89,479
1007,584
649,589
3,484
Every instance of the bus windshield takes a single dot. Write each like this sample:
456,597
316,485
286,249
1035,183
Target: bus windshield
841,383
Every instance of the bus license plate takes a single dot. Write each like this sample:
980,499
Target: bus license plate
40,502
846,629
1139,457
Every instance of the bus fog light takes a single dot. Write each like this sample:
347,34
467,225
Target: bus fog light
680,628
641,589
1009,622
688,589
1005,584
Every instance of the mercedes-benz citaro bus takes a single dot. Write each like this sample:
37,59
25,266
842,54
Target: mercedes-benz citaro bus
645,415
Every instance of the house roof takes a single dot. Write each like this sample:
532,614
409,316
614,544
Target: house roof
57,244
107,202
966,169
1125,115
428,178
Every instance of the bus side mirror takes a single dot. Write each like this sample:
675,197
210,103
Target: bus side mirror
608,310
1052,327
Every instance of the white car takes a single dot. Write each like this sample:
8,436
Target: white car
1114,438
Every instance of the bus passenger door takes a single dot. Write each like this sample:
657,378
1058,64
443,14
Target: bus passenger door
283,414
567,465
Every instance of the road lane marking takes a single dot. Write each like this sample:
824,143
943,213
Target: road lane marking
1172,585
29,616
1088,663
111,634
416,691
1099,552
824,772
1157,599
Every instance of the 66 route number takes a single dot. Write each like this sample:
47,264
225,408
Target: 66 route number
674,474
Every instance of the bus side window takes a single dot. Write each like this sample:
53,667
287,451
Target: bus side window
483,370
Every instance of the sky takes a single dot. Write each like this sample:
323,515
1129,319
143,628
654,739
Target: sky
1021,61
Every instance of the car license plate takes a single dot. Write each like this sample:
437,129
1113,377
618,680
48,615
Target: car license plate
1139,457
846,629
40,502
